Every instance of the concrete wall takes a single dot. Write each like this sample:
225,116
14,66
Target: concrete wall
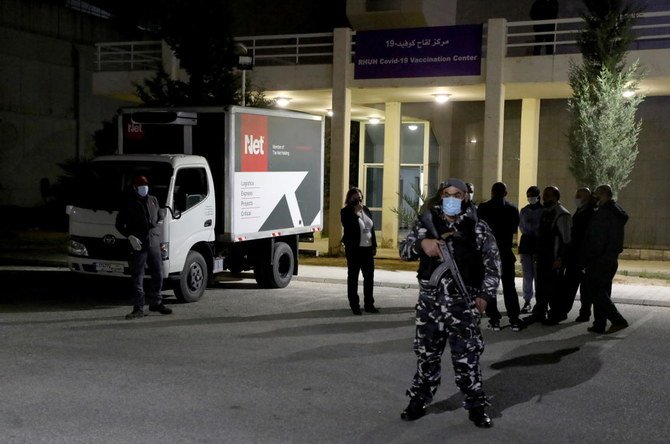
644,198
52,19
45,84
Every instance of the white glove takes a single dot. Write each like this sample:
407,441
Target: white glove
135,243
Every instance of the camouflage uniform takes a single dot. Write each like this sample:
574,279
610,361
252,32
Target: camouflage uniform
443,314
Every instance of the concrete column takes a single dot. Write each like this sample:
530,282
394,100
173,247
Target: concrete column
494,106
390,198
340,135
528,149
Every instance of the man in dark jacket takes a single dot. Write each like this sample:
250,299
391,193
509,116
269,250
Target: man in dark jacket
448,312
601,247
574,272
503,218
138,220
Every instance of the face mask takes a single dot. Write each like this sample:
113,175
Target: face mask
533,200
578,203
451,206
143,190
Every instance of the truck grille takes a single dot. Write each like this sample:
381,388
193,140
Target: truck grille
99,249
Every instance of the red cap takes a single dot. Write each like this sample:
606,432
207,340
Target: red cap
140,180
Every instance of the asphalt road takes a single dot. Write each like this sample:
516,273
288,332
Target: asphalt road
293,365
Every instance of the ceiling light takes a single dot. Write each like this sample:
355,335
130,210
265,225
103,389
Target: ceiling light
441,98
329,113
282,101
413,127
374,120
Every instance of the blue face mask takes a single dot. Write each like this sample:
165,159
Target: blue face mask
143,190
451,206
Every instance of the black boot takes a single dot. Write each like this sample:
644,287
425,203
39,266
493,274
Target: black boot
415,410
480,418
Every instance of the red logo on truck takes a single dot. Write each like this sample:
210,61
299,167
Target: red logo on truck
254,142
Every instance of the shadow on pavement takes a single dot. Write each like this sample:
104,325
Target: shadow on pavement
48,289
570,363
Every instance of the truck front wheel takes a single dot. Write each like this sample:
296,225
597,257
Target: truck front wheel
193,280
279,273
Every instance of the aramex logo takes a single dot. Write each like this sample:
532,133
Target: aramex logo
253,145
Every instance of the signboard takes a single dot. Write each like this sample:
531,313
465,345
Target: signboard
418,52
277,173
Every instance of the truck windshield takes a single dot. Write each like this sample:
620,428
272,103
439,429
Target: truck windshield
110,181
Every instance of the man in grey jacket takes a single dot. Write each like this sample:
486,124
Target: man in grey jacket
554,238
138,220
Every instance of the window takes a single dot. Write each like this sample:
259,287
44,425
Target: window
190,188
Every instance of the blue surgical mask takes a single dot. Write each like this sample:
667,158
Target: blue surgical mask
451,206
143,190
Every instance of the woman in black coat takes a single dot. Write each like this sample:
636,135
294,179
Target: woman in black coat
360,246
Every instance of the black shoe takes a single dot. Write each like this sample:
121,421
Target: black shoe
162,309
494,325
371,309
136,313
533,318
597,330
554,319
415,410
356,311
516,325
582,318
616,327
526,308
480,418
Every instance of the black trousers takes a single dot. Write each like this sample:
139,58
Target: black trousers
548,292
149,257
510,295
598,281
548,38
574,277
360,259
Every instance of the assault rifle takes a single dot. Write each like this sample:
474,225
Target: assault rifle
448,262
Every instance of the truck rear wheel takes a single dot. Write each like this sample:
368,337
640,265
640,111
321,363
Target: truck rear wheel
193,280
279,273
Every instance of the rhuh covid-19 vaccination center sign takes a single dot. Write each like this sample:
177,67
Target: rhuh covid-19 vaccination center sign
419,52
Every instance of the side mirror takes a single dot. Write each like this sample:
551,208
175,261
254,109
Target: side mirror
176,214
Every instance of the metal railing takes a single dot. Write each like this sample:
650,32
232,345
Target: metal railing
289,49
652,31
129,56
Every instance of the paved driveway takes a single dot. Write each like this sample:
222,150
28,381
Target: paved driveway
254,366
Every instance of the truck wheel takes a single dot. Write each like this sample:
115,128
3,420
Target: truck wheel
193,279
279,274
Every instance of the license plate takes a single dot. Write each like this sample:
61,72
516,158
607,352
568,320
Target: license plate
109,268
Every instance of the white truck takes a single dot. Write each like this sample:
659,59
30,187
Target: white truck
239,186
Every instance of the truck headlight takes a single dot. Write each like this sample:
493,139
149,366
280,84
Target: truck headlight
165,250
77,249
